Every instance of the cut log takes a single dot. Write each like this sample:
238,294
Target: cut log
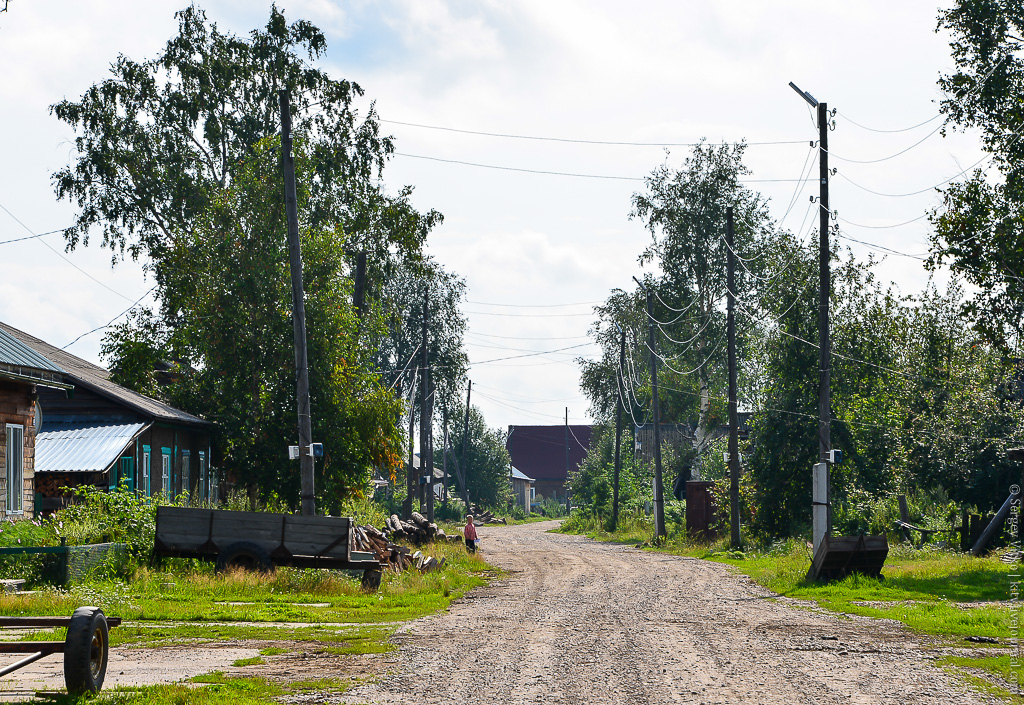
420,520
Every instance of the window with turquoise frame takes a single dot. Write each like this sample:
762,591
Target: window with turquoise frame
186,471
165,471
145,486
204,477
122,472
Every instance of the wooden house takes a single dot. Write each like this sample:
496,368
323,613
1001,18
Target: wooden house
522,489
23,372
548,454
106,435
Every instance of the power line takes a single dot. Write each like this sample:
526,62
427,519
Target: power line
576,141
902,129
914,193
44,242
529,315
530,305
30,237
109,323
523,337
543,352
557,173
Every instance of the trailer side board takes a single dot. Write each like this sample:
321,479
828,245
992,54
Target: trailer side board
182,530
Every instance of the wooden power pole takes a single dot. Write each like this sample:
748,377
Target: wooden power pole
465,447
734,460
298,312
424,400
618,429
659,500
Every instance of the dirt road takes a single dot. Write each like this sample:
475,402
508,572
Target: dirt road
578,621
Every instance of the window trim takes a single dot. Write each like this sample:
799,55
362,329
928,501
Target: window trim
13,482
145,480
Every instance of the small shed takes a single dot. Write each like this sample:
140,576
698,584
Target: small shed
522,489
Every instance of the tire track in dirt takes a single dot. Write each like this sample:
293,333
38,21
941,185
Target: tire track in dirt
577,621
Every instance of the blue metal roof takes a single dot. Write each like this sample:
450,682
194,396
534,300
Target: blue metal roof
14,352
518,475
71,447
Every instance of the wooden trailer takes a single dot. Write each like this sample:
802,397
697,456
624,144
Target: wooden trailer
262,540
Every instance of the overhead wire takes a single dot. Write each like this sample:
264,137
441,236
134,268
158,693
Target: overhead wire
576,140
39,239
111,321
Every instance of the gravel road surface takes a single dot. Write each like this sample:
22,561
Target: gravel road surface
577,621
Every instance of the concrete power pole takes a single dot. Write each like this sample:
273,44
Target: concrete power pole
618,429
821,516
298,312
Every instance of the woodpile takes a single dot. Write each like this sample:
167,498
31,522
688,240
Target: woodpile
382,544
482,517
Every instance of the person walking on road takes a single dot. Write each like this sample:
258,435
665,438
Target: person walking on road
470,534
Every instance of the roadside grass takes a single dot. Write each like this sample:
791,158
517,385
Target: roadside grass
187,605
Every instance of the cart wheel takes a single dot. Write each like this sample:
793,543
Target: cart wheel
85,651
372,579
244,554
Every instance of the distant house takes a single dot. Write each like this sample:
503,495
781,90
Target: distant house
547,454
22,373
105,435
522,489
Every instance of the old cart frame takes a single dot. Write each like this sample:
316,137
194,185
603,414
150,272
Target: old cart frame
262,540
85,648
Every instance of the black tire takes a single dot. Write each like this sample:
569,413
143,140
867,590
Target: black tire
246,555
372,579
85,651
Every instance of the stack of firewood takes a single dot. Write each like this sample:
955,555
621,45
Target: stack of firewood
483,517
399,558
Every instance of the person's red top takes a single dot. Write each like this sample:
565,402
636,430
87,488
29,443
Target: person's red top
470,531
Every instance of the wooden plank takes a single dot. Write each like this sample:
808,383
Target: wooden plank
34,622
189,530
31,647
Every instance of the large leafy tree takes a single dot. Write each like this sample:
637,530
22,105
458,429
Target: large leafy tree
178,163
487,467
979,230
685,211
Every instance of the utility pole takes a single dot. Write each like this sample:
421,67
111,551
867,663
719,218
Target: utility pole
298,311
824,340
821,490
359,296
618,429
734,446
465,447
424,400
659,500
430,451
568,504
410,478
444,458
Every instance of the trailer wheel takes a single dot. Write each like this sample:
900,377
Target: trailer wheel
85,651
372,579
246,555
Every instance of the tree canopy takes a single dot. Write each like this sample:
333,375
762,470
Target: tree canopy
178,164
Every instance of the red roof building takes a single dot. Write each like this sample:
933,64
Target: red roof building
540,452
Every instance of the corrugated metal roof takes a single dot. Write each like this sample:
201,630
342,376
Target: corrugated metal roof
68,447
516,474
14,352
94,377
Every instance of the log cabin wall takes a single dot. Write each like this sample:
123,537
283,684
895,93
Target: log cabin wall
17,407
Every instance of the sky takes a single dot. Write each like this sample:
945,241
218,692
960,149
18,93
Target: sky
537,250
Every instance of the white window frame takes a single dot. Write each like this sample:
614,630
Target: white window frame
147,460
15,469
186,472
165,473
